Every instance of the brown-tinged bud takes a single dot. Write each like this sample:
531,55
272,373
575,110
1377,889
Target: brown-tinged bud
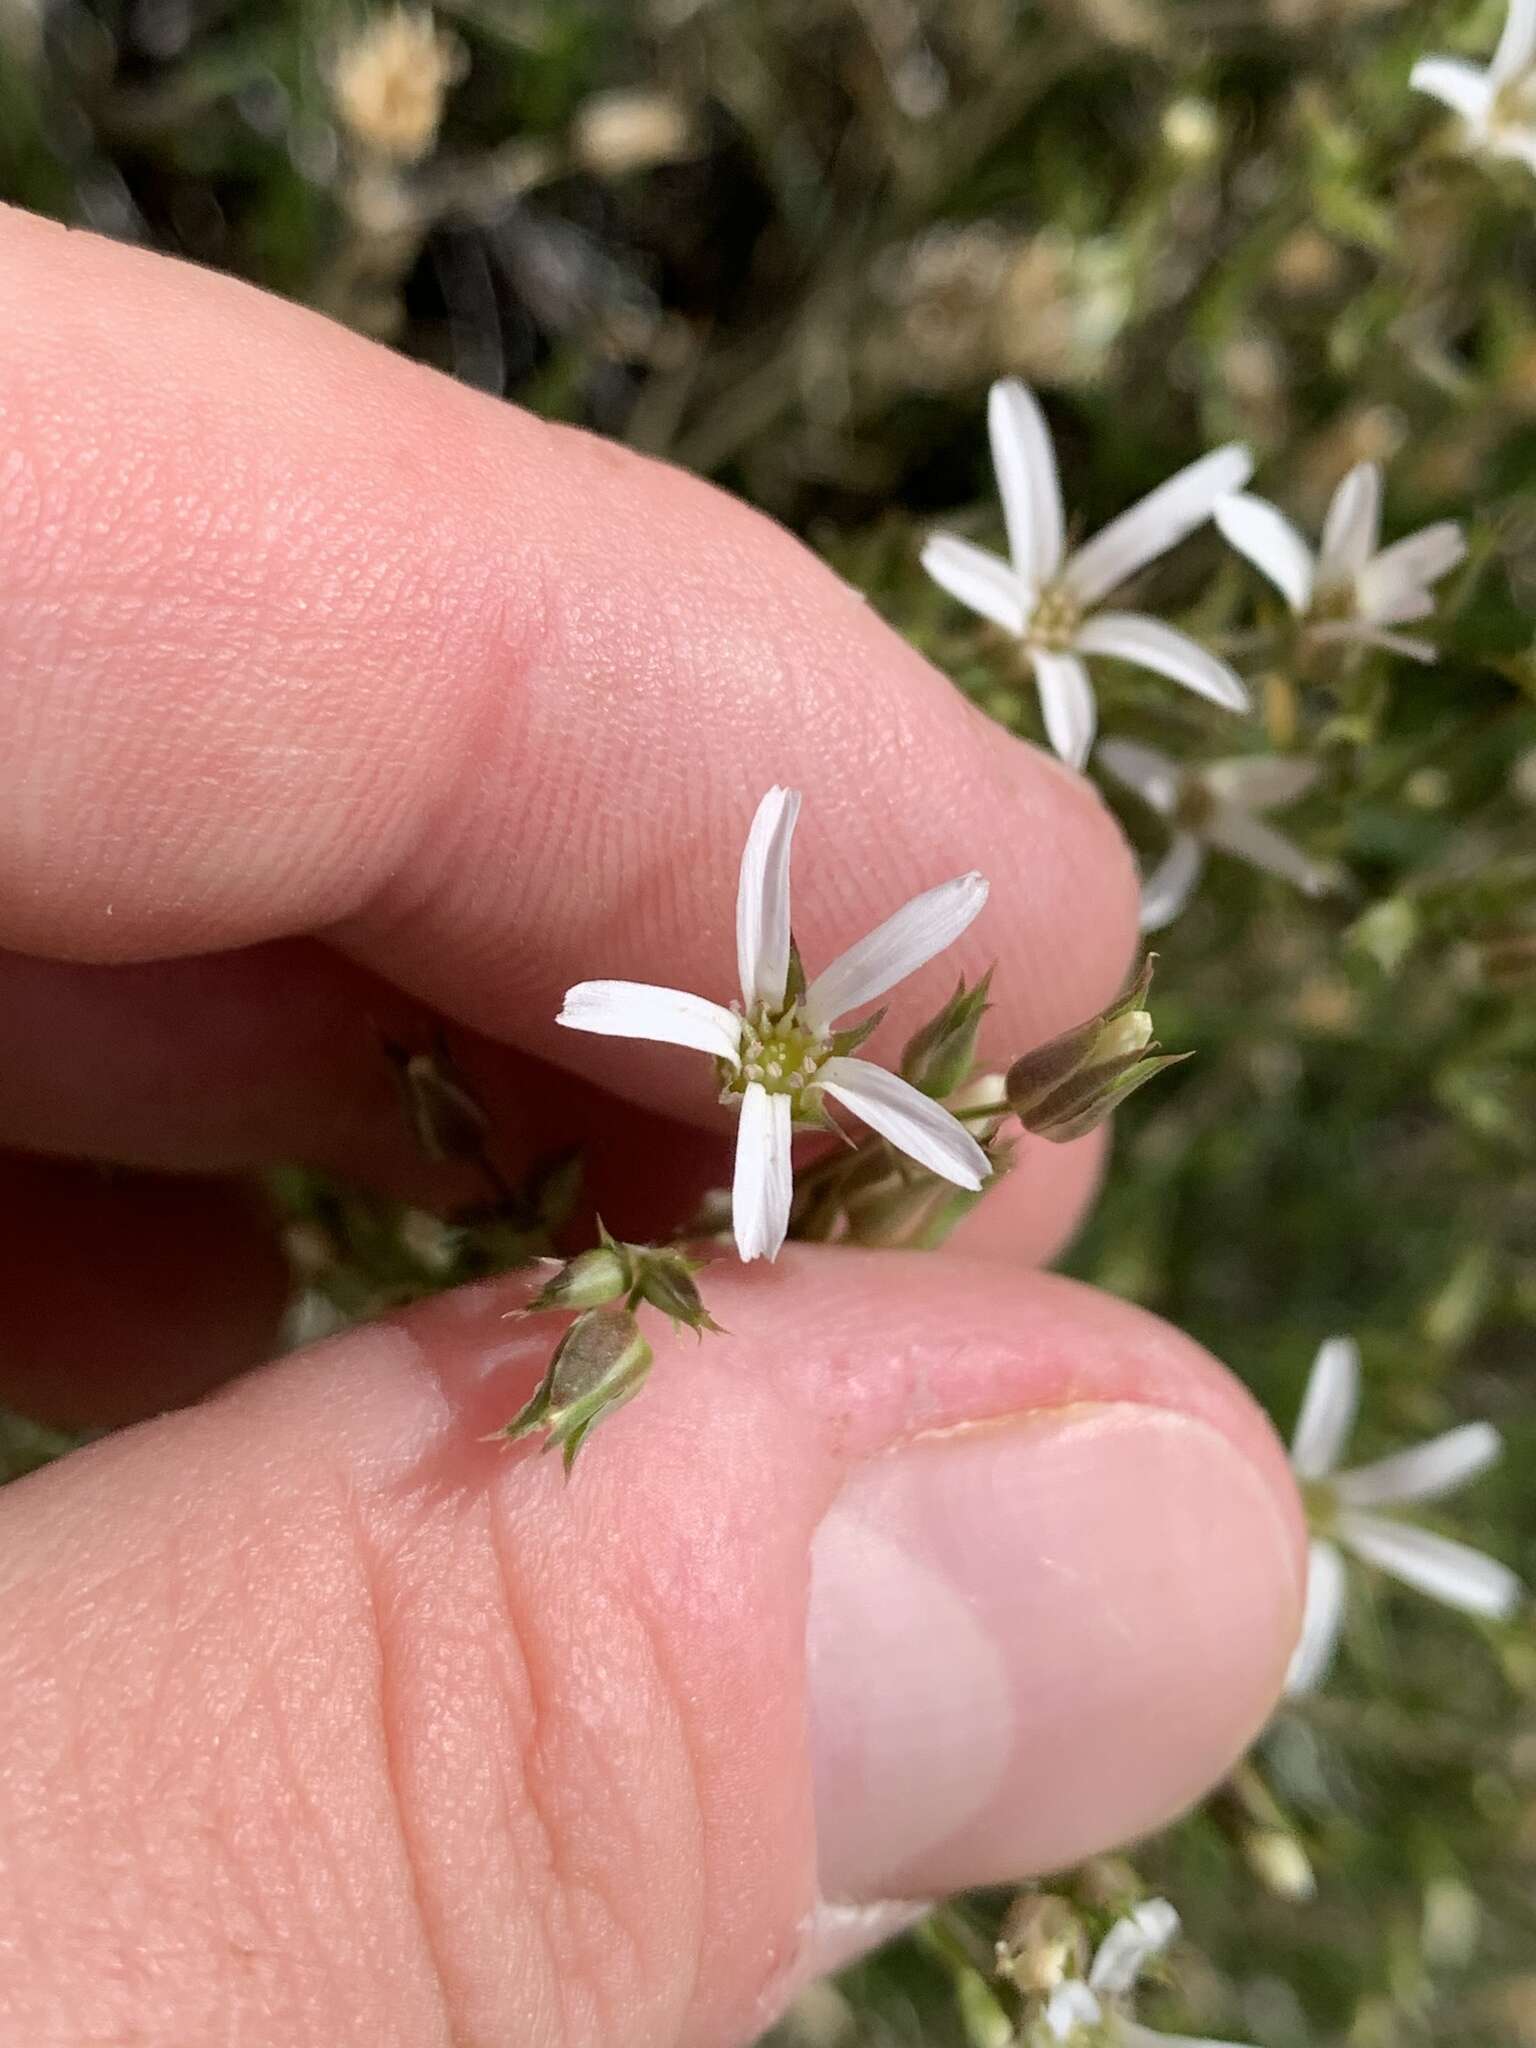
665,1280
1041,1943
939,1057
591,1280
447,1120
600,1363
1067,1087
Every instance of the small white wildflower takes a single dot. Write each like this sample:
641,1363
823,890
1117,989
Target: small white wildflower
1048,598
1353,589
778,1053
1344,1513
1498,105
1090,2012
1214,806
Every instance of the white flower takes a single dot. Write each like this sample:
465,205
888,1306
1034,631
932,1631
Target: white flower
778,1053
1354,589
1498,105
1344,1505
1090,2011
1048,598
1214,806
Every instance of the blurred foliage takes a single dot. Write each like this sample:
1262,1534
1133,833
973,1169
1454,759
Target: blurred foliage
788,243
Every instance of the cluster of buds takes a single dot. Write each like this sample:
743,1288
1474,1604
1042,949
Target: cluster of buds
1067,1087
603,1359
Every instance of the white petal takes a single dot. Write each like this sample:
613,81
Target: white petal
1432,1564
1516,48
1131,636
1505,140
1403,572
670,1016
1159,522
1260,531
1069,2007
1461,87
981,581
1066,704
1027,482
1130,1945
1171,883
893,950
762,900
1260,782
1352,526
913,1122
764,1180
1372,636
1328,1409
1156,779
1321,1619
1250,839
1428,1471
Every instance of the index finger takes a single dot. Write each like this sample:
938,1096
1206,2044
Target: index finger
297,635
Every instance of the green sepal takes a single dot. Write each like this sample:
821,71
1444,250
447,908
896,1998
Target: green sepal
845,1042
939,1057
600,1363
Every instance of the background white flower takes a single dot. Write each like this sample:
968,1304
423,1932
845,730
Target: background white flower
778,1051
1343,1504
1216,805
1498,105
1354,589
1088,2009
1048,598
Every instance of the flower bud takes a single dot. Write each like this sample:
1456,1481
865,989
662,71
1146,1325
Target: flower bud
447,1120
591,1280
1067,1087
665,1280
600,1363
1041,1943
938,1058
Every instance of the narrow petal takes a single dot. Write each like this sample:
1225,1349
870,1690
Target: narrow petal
1027,482
1133,2035
1461,87
1171,883
1260,782
1462,1578
1067,707
895,949
1130,1945
1130,636
762,900
1069,2007
1428,1471
764,1180
1516,48
1162,519
1352,526
914,1123
1368,635
1321,1619
1250,839
982,582
1328,1409
1262,532
634,1009
1404,571
1155,778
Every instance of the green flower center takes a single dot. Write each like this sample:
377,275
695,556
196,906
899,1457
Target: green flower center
1055,619
1333,602
778,1052
1321,1504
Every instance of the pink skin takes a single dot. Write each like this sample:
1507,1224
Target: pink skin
333,697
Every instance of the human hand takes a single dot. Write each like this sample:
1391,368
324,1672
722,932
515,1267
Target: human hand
338,697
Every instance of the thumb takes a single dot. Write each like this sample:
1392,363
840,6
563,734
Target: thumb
328,1721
